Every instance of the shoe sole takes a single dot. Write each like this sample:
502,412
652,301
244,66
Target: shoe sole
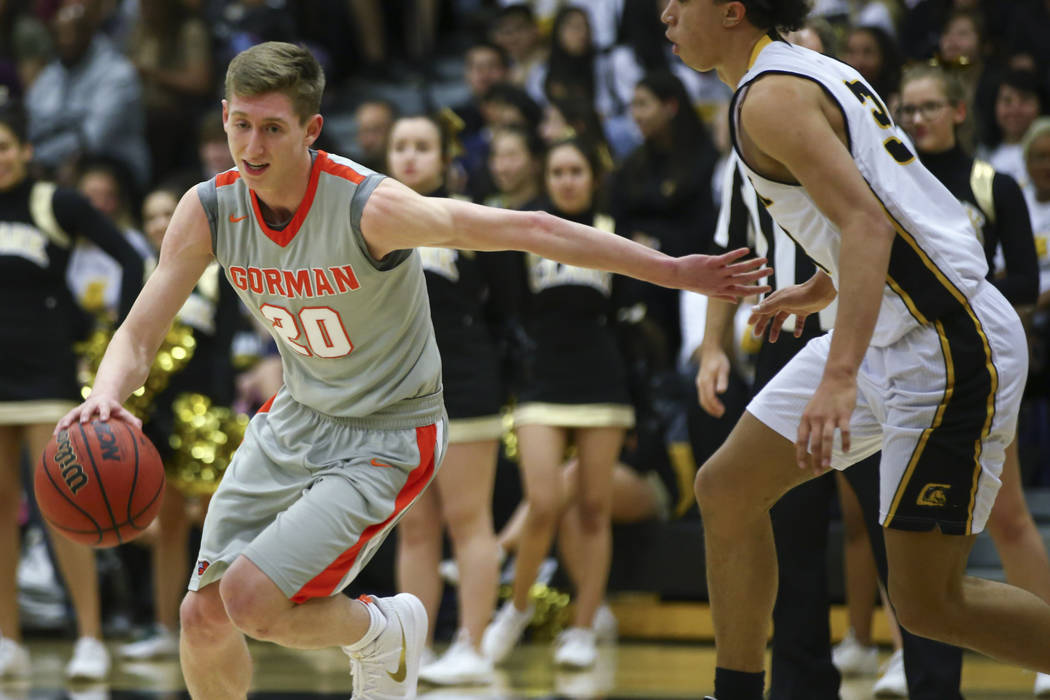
414,622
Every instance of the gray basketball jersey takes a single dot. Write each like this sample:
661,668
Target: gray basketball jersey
936,262
354,333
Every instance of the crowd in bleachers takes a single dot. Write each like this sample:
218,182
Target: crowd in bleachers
577,108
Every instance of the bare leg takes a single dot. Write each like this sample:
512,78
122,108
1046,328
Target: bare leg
170,563
598,448
10,502
542,453
212,652
735,489
419,552
465,483
75,561
1010,524
935,599
858,562
891,620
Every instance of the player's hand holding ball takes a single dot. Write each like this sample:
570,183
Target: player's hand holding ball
100,480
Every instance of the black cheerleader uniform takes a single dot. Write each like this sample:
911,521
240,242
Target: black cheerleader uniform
39,320
458,284
573,374
1000,216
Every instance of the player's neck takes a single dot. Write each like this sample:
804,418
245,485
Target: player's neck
741,55
279,201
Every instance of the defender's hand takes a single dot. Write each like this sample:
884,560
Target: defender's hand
720,277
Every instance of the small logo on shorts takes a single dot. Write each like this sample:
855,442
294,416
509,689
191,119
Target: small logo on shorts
935,495
376,463
202,566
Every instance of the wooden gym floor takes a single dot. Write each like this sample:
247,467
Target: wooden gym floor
679,666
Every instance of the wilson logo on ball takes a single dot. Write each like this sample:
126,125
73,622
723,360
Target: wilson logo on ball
107,441
72,473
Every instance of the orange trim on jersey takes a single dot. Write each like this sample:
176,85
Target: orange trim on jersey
285,235
340,170
227,178
326,582
265,408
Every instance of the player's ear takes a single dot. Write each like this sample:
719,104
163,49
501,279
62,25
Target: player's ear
733,13
313,128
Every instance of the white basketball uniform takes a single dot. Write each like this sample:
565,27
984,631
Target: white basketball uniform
939,388
358,430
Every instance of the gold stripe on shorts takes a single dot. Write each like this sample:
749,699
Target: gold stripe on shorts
585,415
33,412
475,429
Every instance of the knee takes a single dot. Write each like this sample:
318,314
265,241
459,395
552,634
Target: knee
1008,526
594,514
249,608
202,618
468,523
923,611
712,488
544,510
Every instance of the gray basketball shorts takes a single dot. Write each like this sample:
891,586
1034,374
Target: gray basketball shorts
309,498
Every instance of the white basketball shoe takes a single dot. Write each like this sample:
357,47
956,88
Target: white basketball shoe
388,668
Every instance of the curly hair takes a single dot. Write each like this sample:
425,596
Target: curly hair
777,15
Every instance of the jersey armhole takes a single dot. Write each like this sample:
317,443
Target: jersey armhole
357,207
209,199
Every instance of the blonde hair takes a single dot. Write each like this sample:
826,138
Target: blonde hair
276,66
1040,127
954,91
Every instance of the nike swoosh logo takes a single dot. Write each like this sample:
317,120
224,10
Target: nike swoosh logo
376,463
398,676
237,219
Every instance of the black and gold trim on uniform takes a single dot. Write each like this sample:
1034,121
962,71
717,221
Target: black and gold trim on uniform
939,485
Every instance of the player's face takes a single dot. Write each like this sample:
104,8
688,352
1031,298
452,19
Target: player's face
513,167
1015,111
928,116
267,140
569,179
14,157
1038,163
652,115
414,155
692,29
156,214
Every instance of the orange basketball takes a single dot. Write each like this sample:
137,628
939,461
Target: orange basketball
99,483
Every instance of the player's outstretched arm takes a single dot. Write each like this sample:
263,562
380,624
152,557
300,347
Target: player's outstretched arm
184,255
810,147
395,218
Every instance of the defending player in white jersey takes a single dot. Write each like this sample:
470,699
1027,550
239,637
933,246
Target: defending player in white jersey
321,250
927,360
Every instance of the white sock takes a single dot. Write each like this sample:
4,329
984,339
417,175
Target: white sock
376,626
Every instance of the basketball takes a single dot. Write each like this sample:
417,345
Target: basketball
99,483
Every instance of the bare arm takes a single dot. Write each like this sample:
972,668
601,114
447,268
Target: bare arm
396,218
185,253
712,378
811,148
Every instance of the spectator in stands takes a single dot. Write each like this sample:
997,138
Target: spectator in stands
568,117
245,23
25,48
874,54
503,105
374,119
484,65
1019,100
213,152
515,161
93,276
88,100
1036,149
171,48
515,30
369,23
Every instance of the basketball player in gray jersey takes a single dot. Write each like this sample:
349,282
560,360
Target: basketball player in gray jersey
321,251
926,360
